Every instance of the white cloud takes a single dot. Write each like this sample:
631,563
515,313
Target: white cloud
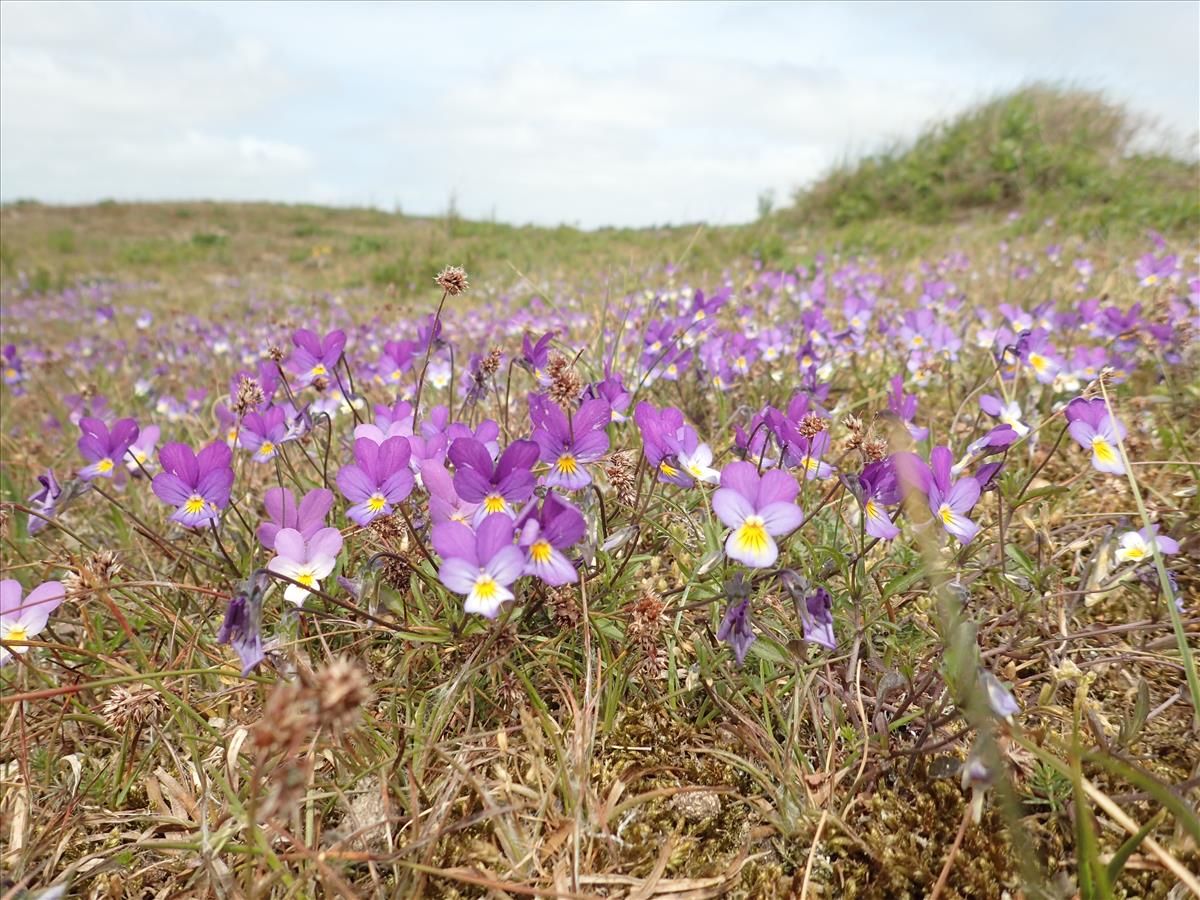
590,113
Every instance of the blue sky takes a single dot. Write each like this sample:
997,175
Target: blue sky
590,114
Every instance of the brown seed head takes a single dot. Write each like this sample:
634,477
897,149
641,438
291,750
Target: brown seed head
276,353
811,425
341,690
249,395
620,472
491,363
565,386
453,280
132,705
875,449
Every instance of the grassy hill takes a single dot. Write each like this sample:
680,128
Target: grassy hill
1048,152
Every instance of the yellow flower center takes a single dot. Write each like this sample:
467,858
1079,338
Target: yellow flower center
1151,280
1103,450
1134,553
741,362
318,369
16,633
700,315
493,503
917,340
376,502
566,465
306,578
540,551
397,375
486,587
10,373
105,465
870,509
1037,361
667,469
194,505
752,535
946,514
266,448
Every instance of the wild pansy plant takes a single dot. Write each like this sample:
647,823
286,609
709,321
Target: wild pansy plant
759,508
949,501
1094,429
315,358
546,531
377,480
305,560
308,518
197,485
22,619
569,443
263,433
103,449
479,564
497,487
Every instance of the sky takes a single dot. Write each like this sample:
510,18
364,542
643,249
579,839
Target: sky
586,114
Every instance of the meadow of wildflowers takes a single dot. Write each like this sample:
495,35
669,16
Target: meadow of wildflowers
843,575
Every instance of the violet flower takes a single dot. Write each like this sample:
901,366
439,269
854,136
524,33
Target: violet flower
44,501
904,407
758,509
497,487
1008,412
445,505
1094,429
305,560
242,625
308,518
315,357
1137,546
880,490
262,433
103,448
545,532
22,619
816,618
736,629
198,485
568,445
140,453
949,501
479,564
378,479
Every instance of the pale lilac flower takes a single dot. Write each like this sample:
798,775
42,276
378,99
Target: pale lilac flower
479,564
22,619
308,518
305,561
758,509
1137,546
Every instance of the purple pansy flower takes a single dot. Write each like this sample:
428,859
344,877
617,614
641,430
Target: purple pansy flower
197,485
1094,429
817,618
102,448
498,487
535,357
545,532
308,518
44,501
315,357
758,509
479,564
378,479
445,505
904,407
141,452
1137,546
242,626
305,560
880,490
949,501
736,630
22,619
569,444
262,433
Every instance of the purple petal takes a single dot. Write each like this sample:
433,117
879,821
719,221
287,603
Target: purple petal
289,545
458,574
454,540
780,517
494,533
776,487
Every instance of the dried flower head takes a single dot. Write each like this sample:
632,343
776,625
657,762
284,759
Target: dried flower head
94,573
321,383
875,449
491,363
341,690
565,385
620,471
132,705
812,425
646,625
276,353
249,395
563,606
453,280
288,718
